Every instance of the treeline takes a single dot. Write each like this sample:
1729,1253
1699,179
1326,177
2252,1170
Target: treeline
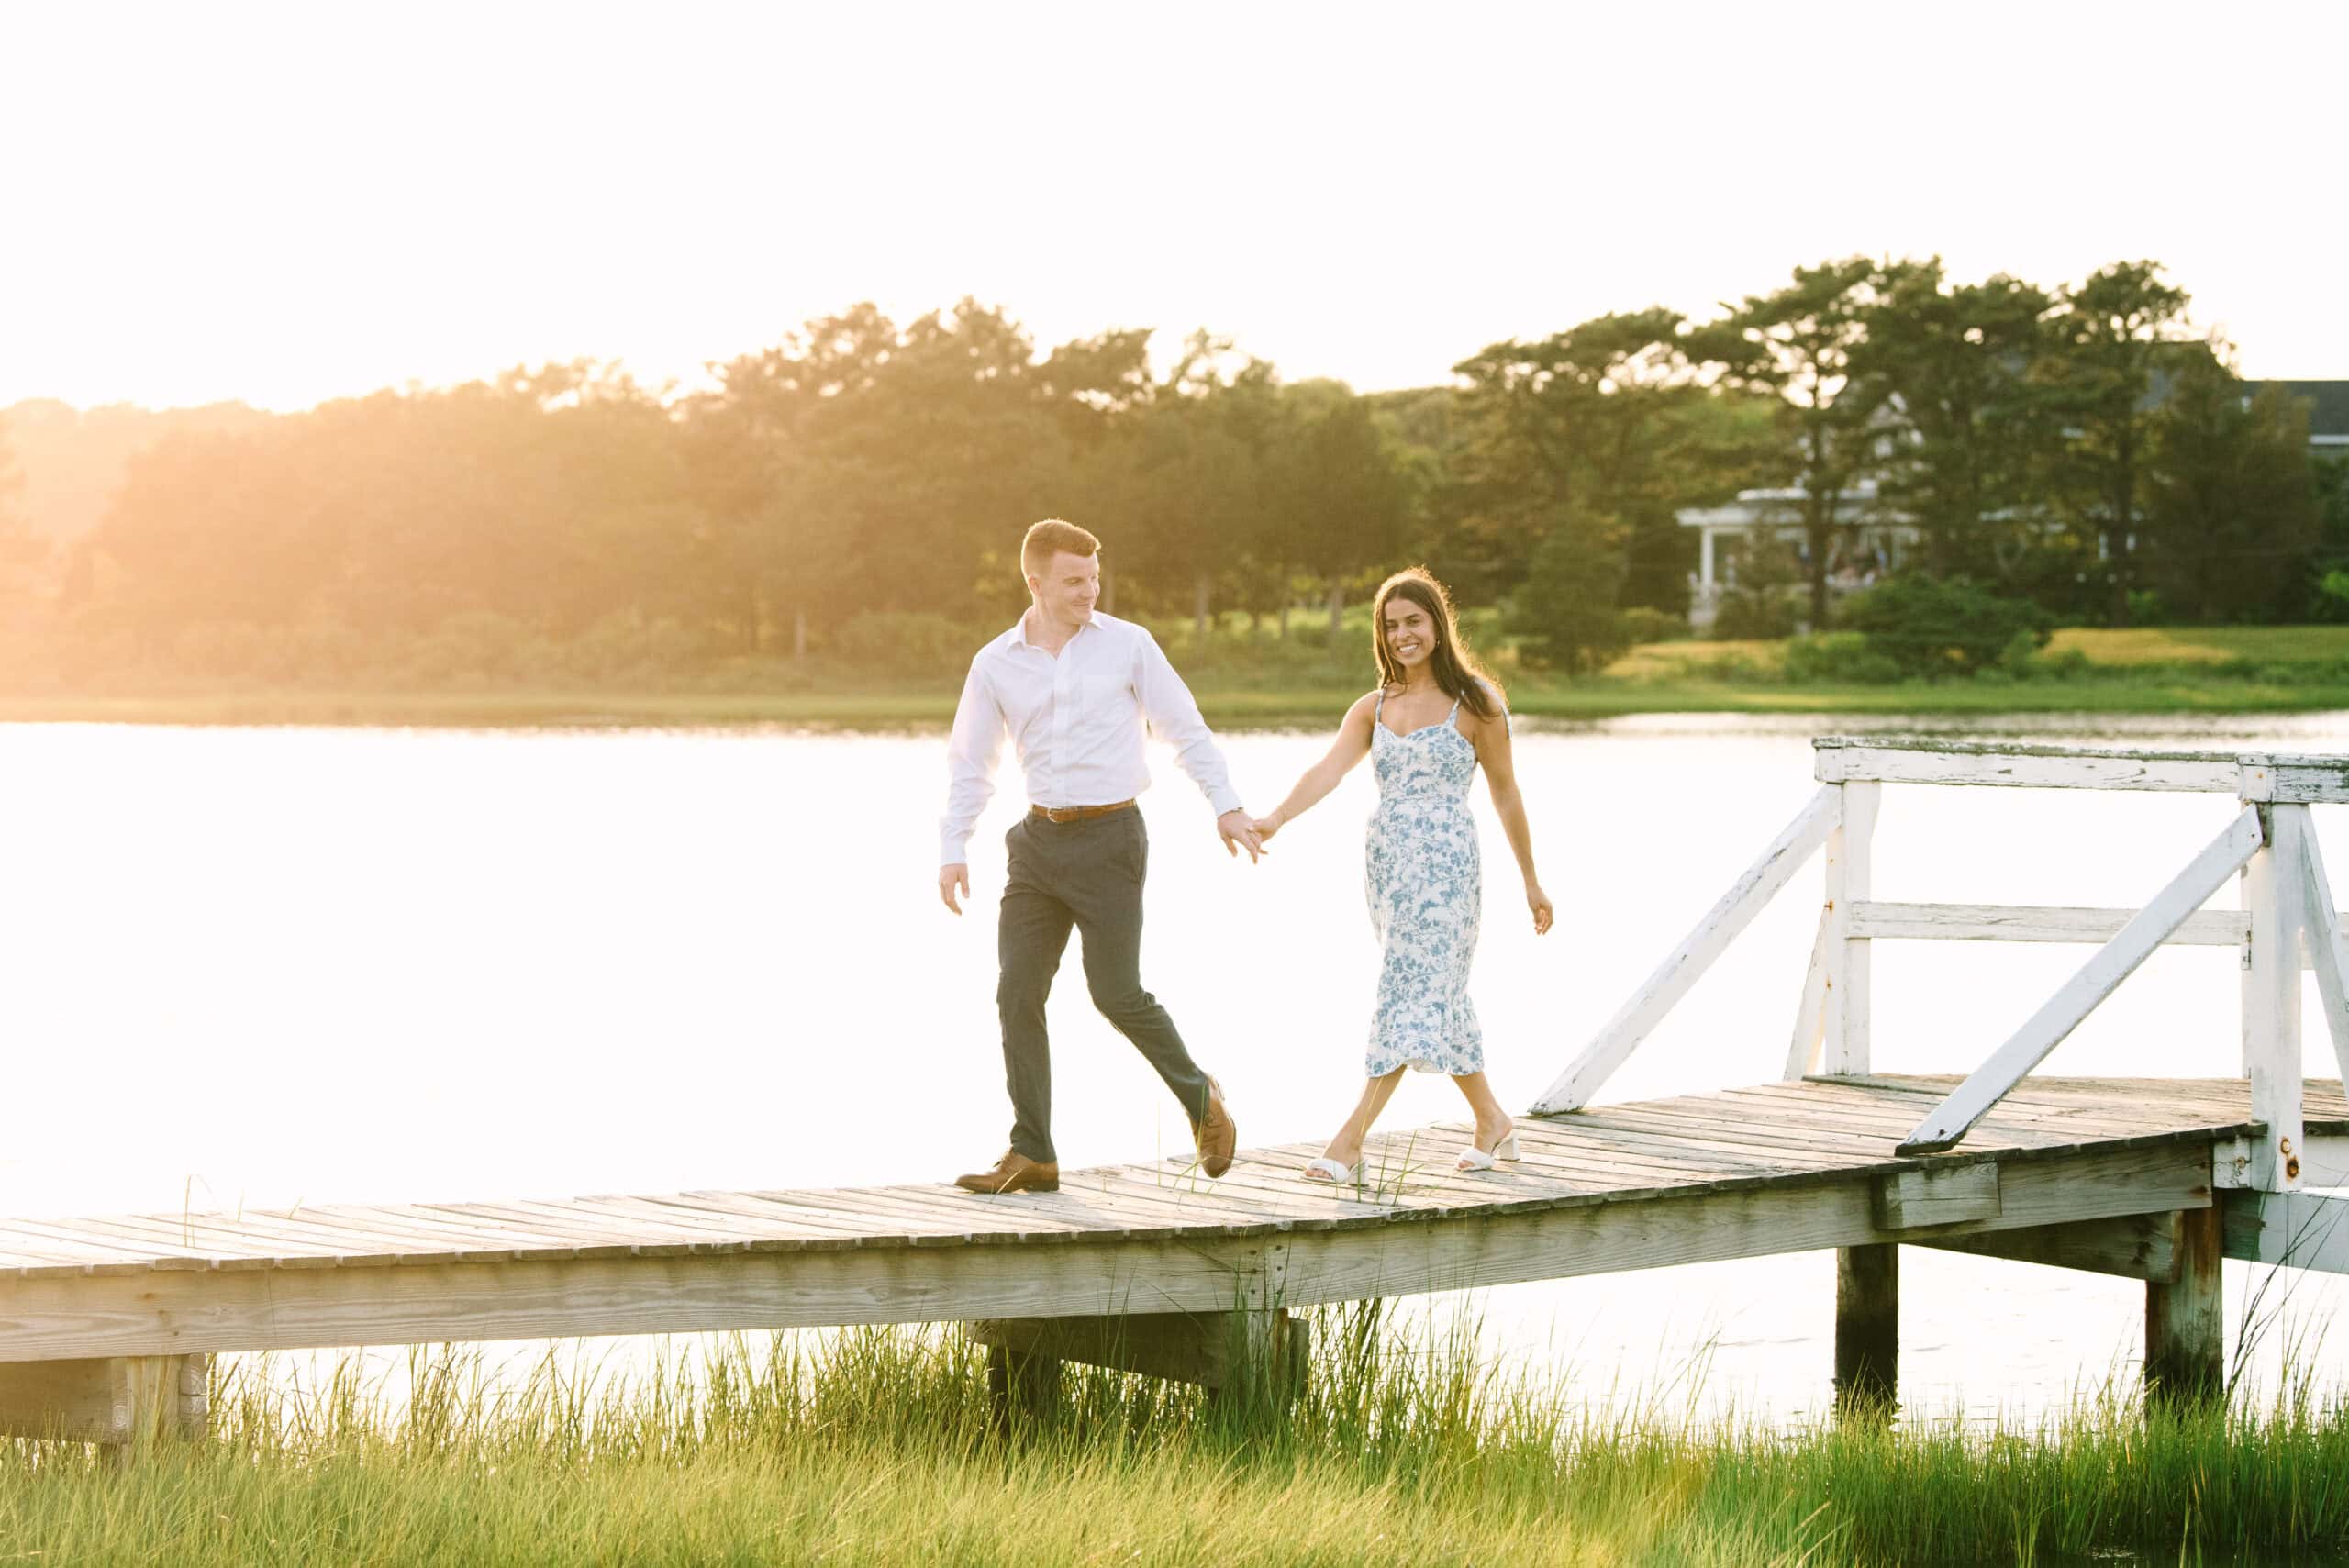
862,484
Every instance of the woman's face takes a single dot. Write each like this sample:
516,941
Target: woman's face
1409,631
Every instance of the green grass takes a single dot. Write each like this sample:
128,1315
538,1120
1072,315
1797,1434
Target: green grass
1295,704
1254,679
877,1446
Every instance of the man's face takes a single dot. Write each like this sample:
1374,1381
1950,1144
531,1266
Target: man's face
1067,587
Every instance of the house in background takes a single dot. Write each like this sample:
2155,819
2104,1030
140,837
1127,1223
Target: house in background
2328,404
1876,540
1871,542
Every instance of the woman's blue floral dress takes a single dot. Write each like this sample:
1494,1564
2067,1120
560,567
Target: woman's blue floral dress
1426,889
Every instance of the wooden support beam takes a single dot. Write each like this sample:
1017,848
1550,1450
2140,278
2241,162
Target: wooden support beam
1937,1195
2097,979
1022,1387
2035,923
2185,1326
110,1400
1919,760
2136,1246
1671,979
2324,950
2303,1230
1867,1328
2304,778
2271,881
1204,1348
1811,1012
1851,860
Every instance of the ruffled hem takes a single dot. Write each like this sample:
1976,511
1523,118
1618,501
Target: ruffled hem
1378,1064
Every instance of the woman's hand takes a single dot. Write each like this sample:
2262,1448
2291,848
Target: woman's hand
1266,827
1539,902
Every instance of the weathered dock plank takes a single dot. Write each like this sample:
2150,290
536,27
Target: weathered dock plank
1775,1168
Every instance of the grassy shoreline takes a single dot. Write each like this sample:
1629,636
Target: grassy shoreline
1295,704
1260,683
877,1446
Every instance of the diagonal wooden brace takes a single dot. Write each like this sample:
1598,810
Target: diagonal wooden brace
2098,978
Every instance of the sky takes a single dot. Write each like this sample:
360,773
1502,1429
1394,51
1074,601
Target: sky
283,204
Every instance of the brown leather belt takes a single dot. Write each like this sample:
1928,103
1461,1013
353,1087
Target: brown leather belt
1078,813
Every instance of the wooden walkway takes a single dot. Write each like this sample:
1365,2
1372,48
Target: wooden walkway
1776,1168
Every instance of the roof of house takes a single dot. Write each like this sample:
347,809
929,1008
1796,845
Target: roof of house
2328,403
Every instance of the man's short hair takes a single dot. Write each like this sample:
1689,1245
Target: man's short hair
1048,538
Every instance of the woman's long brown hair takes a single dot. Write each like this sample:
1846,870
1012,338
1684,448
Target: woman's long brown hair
1457,669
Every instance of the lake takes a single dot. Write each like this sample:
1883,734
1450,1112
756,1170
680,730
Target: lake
257,967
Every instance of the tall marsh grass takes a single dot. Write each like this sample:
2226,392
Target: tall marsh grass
881,1446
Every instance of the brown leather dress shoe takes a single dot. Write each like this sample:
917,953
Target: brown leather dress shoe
1218,1136
1015,1173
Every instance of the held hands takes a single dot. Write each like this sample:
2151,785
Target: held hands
1238,831
1266,827
1539,902
950,878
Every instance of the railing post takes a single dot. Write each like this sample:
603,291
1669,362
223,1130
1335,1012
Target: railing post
2272,886
1849,871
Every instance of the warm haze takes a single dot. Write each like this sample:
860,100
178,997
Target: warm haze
286,204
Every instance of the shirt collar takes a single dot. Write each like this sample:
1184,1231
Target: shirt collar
1019,633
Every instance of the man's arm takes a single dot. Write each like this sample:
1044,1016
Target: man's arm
1172,711
972,751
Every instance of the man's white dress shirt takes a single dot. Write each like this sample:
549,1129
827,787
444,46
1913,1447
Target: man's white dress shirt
1077,723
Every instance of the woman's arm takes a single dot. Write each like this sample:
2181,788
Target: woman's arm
1351,746
1491,739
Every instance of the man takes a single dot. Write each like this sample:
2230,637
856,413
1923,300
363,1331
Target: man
1072,687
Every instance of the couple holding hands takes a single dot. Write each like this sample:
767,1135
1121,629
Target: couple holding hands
1072,689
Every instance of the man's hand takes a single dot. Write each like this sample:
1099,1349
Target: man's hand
949,879
1238,829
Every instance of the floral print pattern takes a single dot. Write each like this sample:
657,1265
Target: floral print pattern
1425,885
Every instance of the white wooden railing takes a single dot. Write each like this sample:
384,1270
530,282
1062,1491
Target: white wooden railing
2286,921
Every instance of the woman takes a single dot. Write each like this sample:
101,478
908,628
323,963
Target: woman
1434,718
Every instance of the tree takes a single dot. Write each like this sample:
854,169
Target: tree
2231,517
2103,366
1566,443
1349,492
1954,364
22,551
1564,611
1206,501
1804,346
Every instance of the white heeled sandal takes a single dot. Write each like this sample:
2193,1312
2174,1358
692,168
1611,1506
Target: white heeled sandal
1328,1170
1475,1159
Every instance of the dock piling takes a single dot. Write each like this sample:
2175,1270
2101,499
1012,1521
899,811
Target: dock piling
2186,1338
1868,1327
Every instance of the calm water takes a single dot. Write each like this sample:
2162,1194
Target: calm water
257,967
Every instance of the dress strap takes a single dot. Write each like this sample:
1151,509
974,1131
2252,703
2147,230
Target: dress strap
1454,713
1378,711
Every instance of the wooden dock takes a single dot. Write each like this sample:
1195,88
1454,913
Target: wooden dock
104,1322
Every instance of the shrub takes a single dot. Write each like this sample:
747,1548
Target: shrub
1942,625
1748,615
907,643
1643,623
1837,656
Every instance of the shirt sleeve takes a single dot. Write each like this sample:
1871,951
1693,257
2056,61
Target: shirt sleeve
1167,703
971,755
